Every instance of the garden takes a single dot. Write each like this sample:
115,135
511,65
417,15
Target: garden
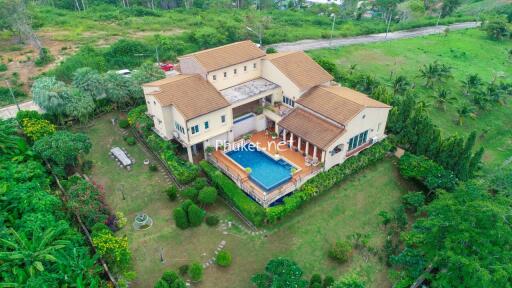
166,247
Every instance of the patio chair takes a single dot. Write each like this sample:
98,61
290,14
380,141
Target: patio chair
307,161
315,162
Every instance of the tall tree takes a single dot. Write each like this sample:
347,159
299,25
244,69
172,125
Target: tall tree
80,105
89,81
280,273
51,95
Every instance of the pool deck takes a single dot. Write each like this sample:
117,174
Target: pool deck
240,176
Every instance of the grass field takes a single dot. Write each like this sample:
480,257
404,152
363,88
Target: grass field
467,52
303,236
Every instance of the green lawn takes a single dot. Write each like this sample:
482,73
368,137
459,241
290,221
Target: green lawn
467,52
303,236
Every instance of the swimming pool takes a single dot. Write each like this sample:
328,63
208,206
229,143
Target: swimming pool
265,171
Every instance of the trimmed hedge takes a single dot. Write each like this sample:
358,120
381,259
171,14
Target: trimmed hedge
250,209
426,171
326,180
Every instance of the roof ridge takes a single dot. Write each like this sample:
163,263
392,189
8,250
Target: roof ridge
214,48
348,99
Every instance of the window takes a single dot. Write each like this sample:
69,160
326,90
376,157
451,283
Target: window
154,102
223,119
254,65
378,126
288,101
195,129
358,140
234,71
225,74
206,125
179,127
148,102
245,68
214,77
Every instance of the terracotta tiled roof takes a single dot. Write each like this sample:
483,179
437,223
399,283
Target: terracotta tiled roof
227,55
303,71
311,128
190,94
337,103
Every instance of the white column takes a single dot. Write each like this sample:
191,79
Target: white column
284,134
189,152
323,156
276,128
291,140
314,152
307,148
299,141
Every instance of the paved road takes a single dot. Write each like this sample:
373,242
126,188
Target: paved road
10,111
326,43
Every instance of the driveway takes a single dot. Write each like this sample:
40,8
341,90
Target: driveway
10,111
326,43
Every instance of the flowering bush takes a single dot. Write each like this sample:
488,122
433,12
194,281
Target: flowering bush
113,249
36,129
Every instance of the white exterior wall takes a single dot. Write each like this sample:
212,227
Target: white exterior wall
215,125
233,79
373,116
188,65
271,73
161,116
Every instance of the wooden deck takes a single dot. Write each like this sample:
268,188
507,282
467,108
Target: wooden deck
265,142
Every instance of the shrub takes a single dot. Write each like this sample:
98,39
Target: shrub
183,269
170,277
187,203
180,217
161,284
172,192
123,123
413,200
250,209
207,195
315,279
340,251
212,220
328,282
36,129
44,58
3,67
130,141
99,227
120,219
223,259
271,50
427,172
28,114
196,272
200,183
195,215
179,284
190,193
153,167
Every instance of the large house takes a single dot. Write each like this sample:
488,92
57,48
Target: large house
235,94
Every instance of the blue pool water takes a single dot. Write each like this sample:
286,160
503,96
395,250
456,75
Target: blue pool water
266,172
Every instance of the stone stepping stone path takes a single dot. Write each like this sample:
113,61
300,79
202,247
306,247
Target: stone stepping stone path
211,261
225,225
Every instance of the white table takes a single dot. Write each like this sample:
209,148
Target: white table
121,156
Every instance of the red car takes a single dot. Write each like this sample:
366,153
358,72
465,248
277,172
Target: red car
167,66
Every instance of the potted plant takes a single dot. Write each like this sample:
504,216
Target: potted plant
273,135
210,150
294,170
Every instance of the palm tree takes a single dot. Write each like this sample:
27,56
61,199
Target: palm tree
352,68
443,97
463,111
10,144
32,254
78,267
435,73
423,107
472,83
400,85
